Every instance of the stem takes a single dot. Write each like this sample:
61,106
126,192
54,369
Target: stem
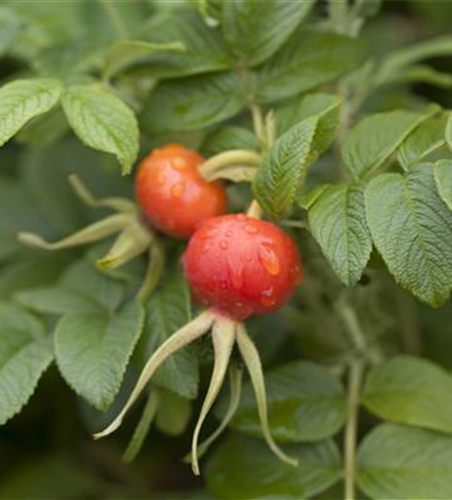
350,438
227,159
352,325
115,19
409,323
255,210
154,271
338,15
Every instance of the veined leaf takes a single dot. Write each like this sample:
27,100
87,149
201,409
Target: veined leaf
93,350
305,403
25,353
337,223
406,463
103,122
443,178
205,50
229,137
193,103
375,138
412,229
327,56
255,30
22,100
168,310
283,168
426,139
125,53
244,467
405,389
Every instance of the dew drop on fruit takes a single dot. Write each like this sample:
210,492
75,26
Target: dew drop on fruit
224,245
267,299
179,163
229,234
206,248
269,259
177,190
250,229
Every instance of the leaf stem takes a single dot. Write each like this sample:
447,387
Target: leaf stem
350,438
115,19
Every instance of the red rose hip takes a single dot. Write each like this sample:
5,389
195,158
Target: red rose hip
173,195
241,266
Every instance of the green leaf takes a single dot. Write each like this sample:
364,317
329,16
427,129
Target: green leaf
305,403
25,353
375,138
168,310
193,103
336,221
255,30
420,73
309,59
22,100
325,105
399,60
229,137
405,389
93,351
443,178
405,463
173,413
244,467
125,53
205,50
412,229
283,168
103,122
423,142
10,25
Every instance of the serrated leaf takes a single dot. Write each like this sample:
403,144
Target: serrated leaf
205,50
405,463
193,103
255,30
443,178
412,229
25,353
125,53
326,55
305,403
103,122
406,389
244,467
93,350
375,138
283,167
168,310
424,141
22,100
336,221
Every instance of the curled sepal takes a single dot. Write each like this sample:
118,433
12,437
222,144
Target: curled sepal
223,338
89,234
134,240
253,364
227,159
234,173
118,204
142,428
235,387
154,271
187,334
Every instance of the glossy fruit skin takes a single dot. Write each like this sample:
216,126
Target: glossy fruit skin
241,266
173,195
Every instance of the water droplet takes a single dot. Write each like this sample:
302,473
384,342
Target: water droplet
268,301
251,229
179,163
228,234
224,245
161,179
269,259
241,217
177,189
206,248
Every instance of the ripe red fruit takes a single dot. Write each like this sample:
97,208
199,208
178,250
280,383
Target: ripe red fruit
240,266
173,195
